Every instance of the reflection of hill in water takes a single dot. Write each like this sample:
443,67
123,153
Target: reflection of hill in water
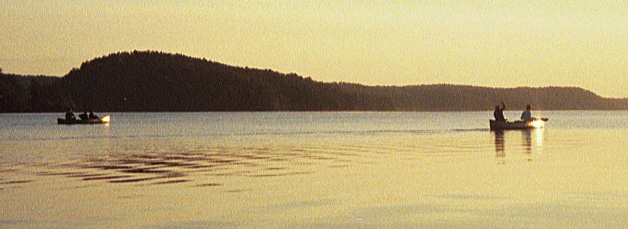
152,81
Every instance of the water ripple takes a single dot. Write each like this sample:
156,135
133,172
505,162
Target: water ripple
199,165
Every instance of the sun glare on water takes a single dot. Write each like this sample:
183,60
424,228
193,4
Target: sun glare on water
537,123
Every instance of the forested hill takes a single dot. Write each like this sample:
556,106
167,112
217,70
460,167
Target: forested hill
153,81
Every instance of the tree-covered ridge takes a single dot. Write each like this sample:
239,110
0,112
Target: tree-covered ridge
155,81
30,93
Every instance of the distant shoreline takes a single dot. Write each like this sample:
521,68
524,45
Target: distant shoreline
160,82
153,112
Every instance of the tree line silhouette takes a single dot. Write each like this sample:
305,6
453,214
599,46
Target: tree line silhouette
154,81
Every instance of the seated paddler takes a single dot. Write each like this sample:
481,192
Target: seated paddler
526,116
499,113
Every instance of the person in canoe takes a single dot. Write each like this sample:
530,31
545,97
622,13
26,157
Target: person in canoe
83,116
499,113
527,115
92,115
69,115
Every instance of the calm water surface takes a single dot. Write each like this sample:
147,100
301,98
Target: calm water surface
327,169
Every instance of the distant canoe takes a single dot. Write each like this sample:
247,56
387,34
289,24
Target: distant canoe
103,120
518,125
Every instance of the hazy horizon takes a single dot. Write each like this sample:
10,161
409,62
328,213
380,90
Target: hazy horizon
535,44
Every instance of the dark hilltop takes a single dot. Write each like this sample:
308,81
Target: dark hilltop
154,81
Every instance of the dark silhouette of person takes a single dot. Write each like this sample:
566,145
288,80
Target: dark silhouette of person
499,113
527,115
92,115
83,116
69,115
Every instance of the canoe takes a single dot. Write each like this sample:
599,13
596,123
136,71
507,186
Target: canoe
103,120
518,125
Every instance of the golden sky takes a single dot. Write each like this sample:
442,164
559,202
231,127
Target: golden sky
580,43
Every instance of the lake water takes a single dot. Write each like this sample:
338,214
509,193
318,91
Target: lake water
320,169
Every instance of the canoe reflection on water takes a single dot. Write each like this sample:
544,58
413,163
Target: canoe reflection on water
531,141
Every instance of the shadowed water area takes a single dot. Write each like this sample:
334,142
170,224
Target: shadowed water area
314,169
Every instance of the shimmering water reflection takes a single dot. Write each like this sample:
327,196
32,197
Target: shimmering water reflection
313,169
531,142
